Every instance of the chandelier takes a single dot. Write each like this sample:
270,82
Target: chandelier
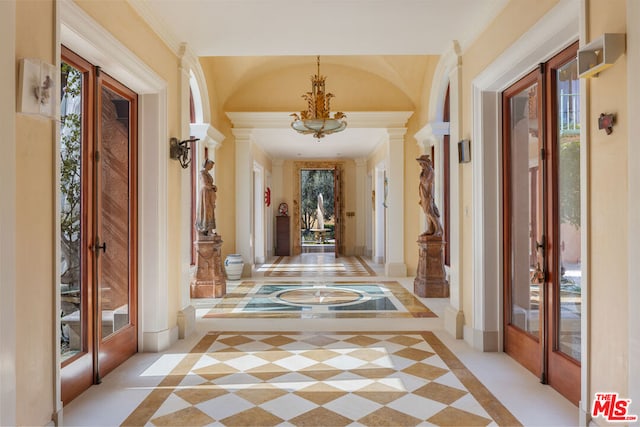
317,118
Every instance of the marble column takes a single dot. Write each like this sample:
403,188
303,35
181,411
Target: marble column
208,279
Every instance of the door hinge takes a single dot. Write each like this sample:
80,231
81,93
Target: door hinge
96,156
543,154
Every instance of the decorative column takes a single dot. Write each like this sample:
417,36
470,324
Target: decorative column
395,265
208,280
361,205
244,196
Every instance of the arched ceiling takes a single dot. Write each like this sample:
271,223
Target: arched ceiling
264,47
404,73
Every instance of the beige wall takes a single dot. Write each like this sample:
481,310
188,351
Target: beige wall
608,210
35,181
514,20
34,232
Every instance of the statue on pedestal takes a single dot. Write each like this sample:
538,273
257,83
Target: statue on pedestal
427,200
206,215
208,278
430,278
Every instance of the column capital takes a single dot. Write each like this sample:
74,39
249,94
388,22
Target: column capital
361,161
209,135
396,134
243,134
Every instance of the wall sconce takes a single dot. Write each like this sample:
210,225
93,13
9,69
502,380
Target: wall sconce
606,122
179,150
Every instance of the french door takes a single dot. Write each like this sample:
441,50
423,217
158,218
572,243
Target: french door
541,190
98,224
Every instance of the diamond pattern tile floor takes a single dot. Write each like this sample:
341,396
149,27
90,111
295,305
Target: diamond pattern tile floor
321,379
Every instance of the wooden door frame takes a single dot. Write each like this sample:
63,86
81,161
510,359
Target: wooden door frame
553,367
124,342
87,367
76,373
563,372
515,343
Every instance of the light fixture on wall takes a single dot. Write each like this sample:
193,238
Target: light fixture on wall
316,119
179,150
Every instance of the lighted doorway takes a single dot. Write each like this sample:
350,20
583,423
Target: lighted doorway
317,210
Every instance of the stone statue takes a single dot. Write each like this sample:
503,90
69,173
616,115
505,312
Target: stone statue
427,201
320,212
205,215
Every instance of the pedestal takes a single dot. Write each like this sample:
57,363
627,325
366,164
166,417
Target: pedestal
208,280
430,281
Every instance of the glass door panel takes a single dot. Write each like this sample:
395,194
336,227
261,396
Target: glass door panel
525,210
568,136
72,313
114,227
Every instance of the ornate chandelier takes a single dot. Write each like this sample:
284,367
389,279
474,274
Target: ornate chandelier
317,118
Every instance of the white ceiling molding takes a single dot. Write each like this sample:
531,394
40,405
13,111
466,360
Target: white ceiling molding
80,33
157,24
357,119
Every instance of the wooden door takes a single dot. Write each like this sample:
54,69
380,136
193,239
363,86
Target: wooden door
541,187
115,223
98,219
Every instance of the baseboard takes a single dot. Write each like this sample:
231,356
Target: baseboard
57,418
186,321
488,341
454,322
584,417
247,270
260,260
154,342
378,260
395,269
358,250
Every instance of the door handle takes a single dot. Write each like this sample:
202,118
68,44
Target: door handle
540,246
97,246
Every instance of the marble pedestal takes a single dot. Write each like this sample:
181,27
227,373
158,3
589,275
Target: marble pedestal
430,281
208,279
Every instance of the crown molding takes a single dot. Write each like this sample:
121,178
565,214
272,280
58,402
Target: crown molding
80,33
157,24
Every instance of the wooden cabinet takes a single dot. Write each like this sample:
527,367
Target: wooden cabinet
282,236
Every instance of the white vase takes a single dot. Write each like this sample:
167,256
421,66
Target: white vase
233,265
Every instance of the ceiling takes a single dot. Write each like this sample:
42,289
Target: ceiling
273,28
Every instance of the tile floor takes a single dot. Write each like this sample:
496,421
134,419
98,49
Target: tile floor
320,371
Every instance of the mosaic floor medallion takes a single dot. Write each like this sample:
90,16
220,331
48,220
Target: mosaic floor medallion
323,296
320,300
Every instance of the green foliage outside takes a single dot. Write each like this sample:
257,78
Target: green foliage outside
569,171
314,182
70,150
